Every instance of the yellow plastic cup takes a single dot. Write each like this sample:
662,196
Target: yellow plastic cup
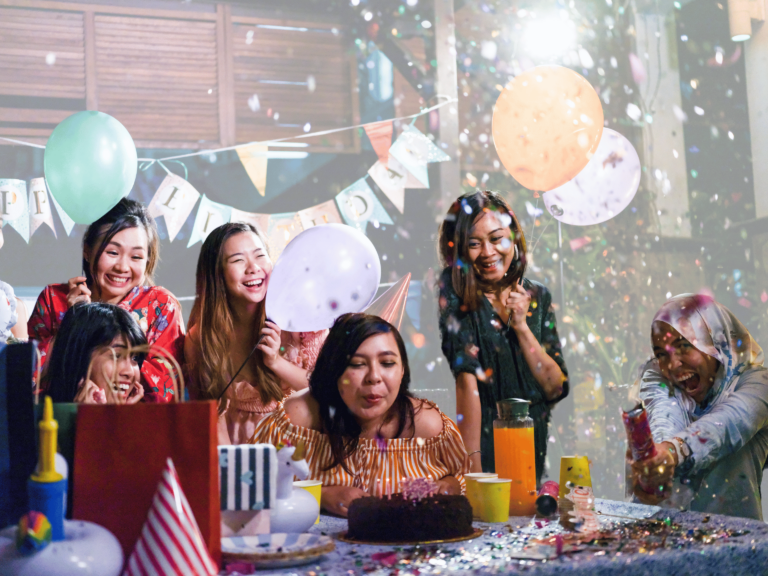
574,469
473,492
314,487
494,495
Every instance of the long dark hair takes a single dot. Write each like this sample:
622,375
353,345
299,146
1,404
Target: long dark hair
347,334
126,214
212,314
85,328
453,244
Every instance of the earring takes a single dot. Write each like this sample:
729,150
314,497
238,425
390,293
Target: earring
516,256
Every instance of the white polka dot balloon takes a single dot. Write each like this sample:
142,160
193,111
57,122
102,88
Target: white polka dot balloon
324,272
603,188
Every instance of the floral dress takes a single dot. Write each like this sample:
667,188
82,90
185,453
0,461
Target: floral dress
155,310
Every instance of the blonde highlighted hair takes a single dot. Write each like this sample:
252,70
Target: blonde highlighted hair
212,314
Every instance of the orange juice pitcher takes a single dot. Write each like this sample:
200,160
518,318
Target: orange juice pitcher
514,453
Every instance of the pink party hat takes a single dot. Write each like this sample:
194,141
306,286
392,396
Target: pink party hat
391,305
170,542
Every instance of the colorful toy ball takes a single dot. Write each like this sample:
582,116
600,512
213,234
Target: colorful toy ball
33,533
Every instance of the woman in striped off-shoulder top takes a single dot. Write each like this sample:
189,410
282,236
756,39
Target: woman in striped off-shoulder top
363,430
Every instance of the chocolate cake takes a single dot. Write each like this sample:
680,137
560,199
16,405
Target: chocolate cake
437,517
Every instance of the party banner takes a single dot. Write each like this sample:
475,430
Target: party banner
210,215
40,211
325,213
358,205
414,151
259,221
393,179
380,135
66,221
282,229
13,206
174,201
254,159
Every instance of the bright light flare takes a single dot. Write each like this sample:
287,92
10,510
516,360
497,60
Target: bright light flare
549,38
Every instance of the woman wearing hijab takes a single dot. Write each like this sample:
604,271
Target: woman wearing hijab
706,393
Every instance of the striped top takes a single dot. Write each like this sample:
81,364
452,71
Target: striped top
375,460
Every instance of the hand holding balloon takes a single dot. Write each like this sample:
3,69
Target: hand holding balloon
269,343
518,303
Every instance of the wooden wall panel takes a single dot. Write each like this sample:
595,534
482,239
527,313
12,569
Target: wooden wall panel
175,79
41,56
159,77
274,60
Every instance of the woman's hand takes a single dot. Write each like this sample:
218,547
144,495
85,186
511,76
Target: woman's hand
78,291
90,393
656,472
136,394
475,463
270,344
336,499
448,485
518,302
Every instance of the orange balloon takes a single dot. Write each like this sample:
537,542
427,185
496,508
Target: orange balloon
547,123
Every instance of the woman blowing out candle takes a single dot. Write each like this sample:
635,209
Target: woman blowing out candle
363,429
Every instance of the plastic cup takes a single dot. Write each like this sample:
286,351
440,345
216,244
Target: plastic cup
574,471
473,492
494,495
314,487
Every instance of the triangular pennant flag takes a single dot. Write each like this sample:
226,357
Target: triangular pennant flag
254,159
170,541
40,211
358,205
174,201
391,305
380,135
259,221
393,179
415,151
282,229
13,206
66,221
210,215
325,213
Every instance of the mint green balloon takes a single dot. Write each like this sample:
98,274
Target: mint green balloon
90,164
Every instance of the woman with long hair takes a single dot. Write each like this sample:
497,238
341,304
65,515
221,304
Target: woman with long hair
497,326
96,357
228,320
363,430
120,253
706,393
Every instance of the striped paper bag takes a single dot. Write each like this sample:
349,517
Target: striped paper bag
248,485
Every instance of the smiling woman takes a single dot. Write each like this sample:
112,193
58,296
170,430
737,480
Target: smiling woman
497,326
120,252
227,322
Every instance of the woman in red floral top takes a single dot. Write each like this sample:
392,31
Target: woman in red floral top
120,252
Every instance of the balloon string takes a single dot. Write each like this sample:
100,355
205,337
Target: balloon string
542,233
22,142
241,367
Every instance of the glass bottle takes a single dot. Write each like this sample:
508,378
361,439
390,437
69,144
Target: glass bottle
515,454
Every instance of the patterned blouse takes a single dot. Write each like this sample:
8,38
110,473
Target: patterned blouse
480,344
376,460
154,308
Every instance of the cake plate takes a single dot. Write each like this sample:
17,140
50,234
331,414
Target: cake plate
475,534
277,550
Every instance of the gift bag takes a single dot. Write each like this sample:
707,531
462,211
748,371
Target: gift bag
18,450
121,452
